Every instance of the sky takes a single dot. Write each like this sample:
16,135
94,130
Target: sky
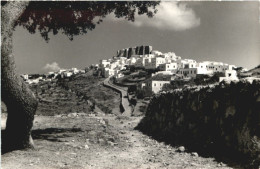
228,32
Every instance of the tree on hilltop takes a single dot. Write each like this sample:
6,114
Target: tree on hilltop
69,18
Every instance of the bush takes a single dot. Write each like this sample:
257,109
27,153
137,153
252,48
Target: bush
201,79
132,89
142,93
168,87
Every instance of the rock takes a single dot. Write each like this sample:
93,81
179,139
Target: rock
72,114
86,146
110,143
91,115
221,164
194,164
194,154
122,132
101,141
102,122
166,164
181,149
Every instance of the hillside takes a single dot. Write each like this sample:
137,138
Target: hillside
91,88
54,99
255,72
77,94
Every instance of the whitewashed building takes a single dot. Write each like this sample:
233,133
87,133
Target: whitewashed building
25,76
188,72
230,75
156,53
155,62
169,67
104,63
154,85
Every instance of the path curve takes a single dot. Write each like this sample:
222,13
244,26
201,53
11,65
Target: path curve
124,98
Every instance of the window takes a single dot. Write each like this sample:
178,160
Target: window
201,66
191,72
194,71
154,84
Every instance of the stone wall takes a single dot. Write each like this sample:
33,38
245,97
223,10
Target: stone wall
224,116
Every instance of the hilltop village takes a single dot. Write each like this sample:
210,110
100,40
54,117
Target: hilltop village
168,64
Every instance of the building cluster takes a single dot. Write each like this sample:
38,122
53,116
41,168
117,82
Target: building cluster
166,63
63,73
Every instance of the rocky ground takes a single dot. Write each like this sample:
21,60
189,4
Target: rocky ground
98,140
69,133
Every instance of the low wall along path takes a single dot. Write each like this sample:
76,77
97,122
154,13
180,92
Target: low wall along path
225,116
124,98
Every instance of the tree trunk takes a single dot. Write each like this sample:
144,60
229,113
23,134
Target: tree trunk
20,101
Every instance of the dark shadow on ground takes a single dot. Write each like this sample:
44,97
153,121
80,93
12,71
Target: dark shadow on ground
54,134
218,151
50,134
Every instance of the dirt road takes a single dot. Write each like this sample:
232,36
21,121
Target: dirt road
79,140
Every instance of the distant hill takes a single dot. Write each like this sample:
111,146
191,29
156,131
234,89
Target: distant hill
255,72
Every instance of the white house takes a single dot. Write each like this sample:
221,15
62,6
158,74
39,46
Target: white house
188,63
74,70
169,67
66,74
104,63
132,60
188,72
140,62
155,62
155,85
25,76
113,65
119,75
109,72
230,75
156,53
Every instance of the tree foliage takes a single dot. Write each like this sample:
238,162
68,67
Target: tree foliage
76,18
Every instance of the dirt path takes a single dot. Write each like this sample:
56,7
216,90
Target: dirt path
98,141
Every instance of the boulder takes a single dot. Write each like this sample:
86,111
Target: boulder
181,149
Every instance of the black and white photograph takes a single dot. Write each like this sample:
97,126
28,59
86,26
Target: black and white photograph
130,84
